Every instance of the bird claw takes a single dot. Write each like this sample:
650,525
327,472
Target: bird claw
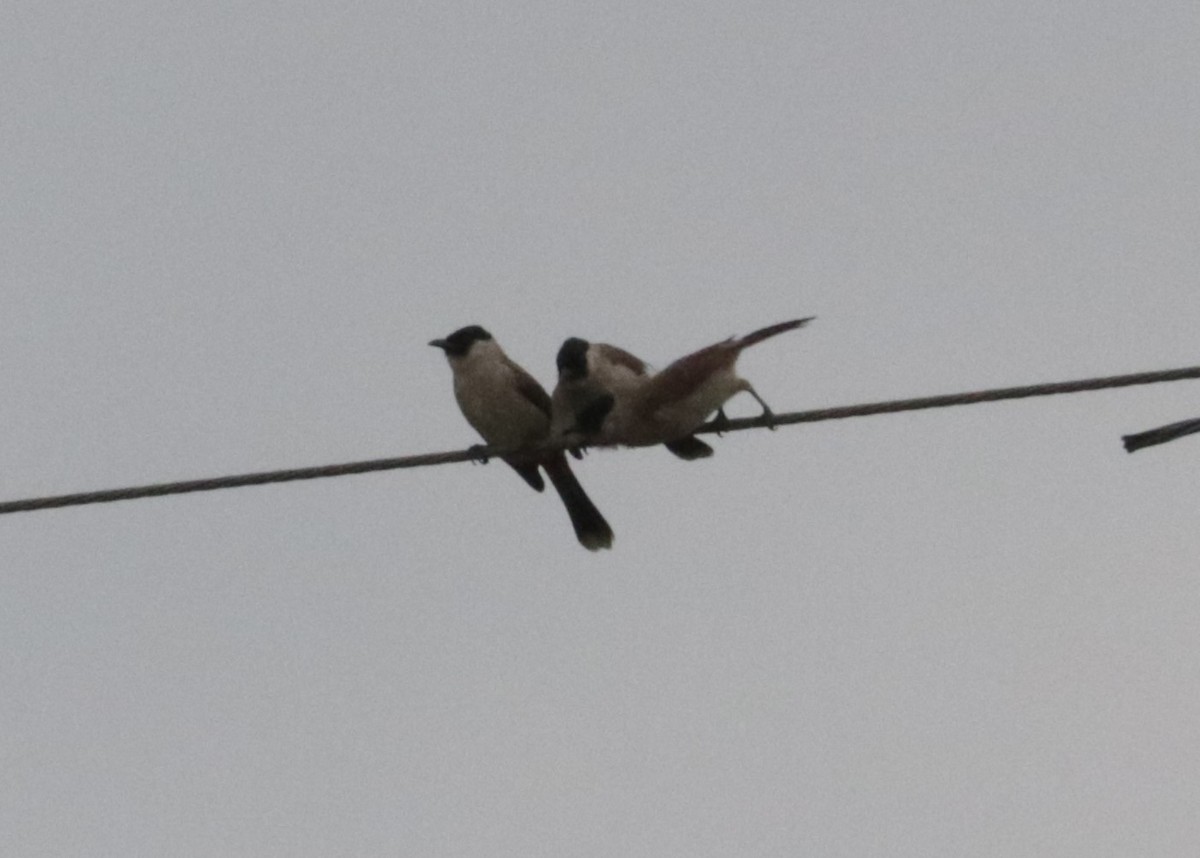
478,453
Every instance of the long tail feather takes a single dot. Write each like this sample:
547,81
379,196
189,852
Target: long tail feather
591,529
771,331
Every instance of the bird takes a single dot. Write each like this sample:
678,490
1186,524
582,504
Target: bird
1161,435
508,408
675,402
590,377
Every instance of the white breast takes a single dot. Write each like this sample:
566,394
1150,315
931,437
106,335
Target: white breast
485,385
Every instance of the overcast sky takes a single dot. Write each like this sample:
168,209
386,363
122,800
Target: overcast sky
227,233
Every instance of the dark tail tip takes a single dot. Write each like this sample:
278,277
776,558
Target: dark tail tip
591,529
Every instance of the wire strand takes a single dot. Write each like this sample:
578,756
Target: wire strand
482,452
1161,435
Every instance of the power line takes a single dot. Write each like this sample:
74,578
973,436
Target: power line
1161,435
475,453
994,395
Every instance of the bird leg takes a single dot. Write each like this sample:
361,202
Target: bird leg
768,416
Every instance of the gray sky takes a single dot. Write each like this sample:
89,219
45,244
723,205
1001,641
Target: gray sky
227,234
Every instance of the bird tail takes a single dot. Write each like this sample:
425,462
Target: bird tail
529,473
1161,435
689,448
591,529
770,331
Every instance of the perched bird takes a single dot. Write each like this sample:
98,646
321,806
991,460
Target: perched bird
674,403
1161,435
591,376
507,406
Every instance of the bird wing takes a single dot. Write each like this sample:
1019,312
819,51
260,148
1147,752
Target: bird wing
682,377
529,388
621,358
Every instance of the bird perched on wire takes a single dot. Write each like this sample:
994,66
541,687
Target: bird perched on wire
507,406
1161,435
590,377
672,404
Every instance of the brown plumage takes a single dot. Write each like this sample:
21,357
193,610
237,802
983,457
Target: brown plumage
672,404
591,378
507,406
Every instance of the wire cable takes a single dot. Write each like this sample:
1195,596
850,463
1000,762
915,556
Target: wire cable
1161,435
478,453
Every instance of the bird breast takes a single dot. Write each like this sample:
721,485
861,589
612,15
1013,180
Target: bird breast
493,404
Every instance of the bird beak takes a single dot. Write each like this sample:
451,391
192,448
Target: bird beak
440,344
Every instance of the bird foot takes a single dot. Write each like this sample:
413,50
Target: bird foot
478,454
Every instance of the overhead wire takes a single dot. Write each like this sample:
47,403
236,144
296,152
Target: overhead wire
479,452
1161,435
